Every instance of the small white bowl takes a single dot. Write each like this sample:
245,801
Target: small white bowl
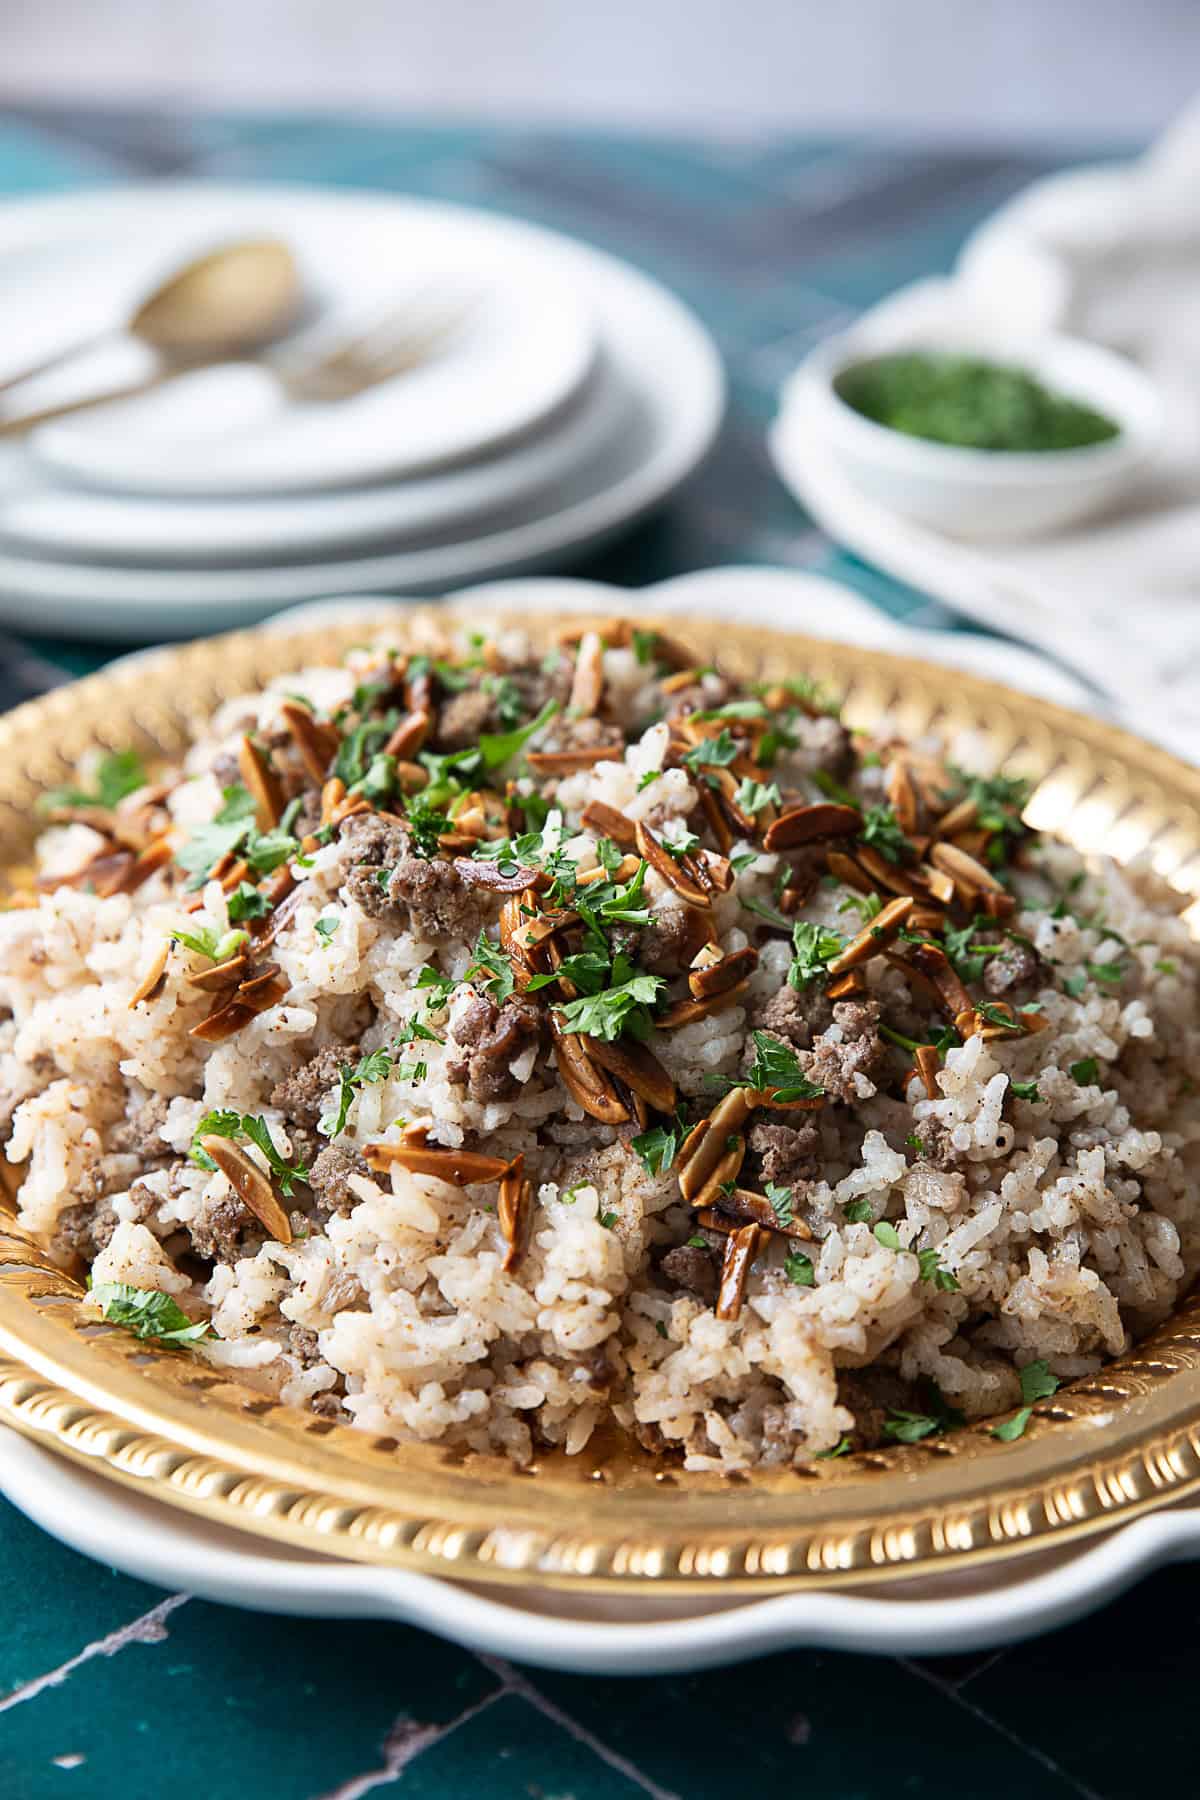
989,493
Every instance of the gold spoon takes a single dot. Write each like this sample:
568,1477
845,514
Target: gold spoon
230,301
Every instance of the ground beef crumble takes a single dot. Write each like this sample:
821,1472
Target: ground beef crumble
1016,966
301,1097
835,1062
495,1036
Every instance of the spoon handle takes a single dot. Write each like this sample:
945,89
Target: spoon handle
23,422
93,341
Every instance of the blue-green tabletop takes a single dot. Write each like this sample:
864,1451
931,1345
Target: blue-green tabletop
111,1690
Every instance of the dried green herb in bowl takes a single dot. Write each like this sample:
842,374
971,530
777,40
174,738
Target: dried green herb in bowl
970,403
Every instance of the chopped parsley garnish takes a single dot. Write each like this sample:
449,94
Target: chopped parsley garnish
255,1128
967,957
993,1014
496,749
833,789
881,829
1086,1072
369,1070
867,906
232,832
658,1147
218,946
681,845
413,1029
697,1243
119,773
887,1235
359,748
841,1448
1037,1383
1075,983
607,1219
734,709
149,1314
931,1268
426,824
716,753
776,1067
645,779
999,801
745,859
247,902
1108,974
782,1204
1025,1090
813,948
325,928
770,913
857,1212
799,1269
439,987
910,1427
491,970
1167,966
621,1007
644,644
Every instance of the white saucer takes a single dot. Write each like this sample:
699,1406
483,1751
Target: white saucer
69,521
523,343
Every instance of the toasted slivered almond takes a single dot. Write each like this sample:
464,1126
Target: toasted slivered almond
332,794
590,1086
147,863
316,744
902,795
847,985
875,935
941,887
724,793
963,870
418,690
222,1023
254,766
889,876
514,1210
712,1220
478,872
258,986
926,918
624,871
745,1206
712,872
682,678
411,777
606,821
588,683
567,762
704,1145
618,635
638,1068
234,876
724,1175
998,906
959,818
928,1063
718,977
933,963
250,1185
677,872
806,824
462,1168
845,869
221,975
105,872
741,1248
153,980
686,1012
279,884
409,735
706,956
718,823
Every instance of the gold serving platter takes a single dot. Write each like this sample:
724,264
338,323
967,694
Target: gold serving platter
1101,1452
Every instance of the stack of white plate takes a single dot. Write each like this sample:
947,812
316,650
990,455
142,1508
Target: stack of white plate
576,395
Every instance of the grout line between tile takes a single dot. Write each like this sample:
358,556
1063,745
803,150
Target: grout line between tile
985,1718
150,1628
403,1744
516,1683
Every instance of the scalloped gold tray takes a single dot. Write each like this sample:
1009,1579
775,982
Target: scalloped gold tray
1103,1451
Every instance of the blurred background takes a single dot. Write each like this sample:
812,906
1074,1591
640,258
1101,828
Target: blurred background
1053,69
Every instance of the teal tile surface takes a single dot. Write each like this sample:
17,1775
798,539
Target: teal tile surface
111,1690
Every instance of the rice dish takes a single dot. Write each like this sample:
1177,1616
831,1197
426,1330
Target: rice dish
488,1047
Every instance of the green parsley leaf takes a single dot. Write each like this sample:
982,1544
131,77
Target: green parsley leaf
657,1149
644,644
867,906
1075,983
248,902
491,970
799,1269
697,1243
1167,966
715,753
857,1212
775,1067
909,1427
221,836
813,948
217,946
881,829
887,1235
931,1268
496,749
1025,1090
833,789
782,1204
762,911
1108,974
254,1127
607,1219
841,1448
439,987
645,780
1086,1072
995,1015
119,773
1037,1383
149,1314
745,859
369,1070
325,928
621,1007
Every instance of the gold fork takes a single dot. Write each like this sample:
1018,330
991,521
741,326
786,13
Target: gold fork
393,343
